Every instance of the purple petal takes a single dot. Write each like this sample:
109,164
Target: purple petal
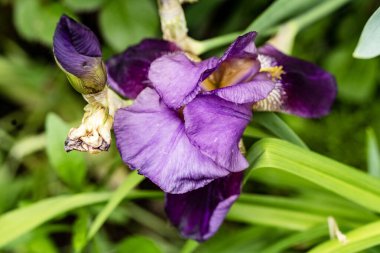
175,77
306,89
128,71
242,46
249,92
215,126
151,137
198,214
76,47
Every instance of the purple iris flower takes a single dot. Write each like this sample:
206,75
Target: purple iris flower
184,128
183,131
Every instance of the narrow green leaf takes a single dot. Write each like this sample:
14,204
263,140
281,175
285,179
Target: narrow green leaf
373,154
189,246
20,221
138,244
80,229
341,179
303,237
368,45
278,127
253,132
351,213
127,22
70,167
357,240
273,216
124,189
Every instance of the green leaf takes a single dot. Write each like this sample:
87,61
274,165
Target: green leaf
357,240
80,229
341,179
303,237
138,244
368,45
356,78
83,5
70,167
132,180
23,220
279,10
274,216
278,127
127,22
373,154
36,21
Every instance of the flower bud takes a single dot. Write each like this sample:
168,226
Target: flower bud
77,52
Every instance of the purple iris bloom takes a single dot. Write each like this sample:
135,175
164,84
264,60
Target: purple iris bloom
182,132
184,128
78,53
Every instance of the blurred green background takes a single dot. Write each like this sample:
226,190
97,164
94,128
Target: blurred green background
34,165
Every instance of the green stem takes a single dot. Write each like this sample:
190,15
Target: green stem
318,13
124,189
302,21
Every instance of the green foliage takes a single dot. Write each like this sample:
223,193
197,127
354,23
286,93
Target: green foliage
55,201
127,22
70,167
368,46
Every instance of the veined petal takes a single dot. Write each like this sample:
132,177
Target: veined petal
304,89
249,92
128,71
242,46
151,138
175,77
215,126
76,47
198,214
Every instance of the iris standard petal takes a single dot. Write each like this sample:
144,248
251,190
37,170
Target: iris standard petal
215,126
304,88
151,138
75,46
198,214
128,71
242,46
175,77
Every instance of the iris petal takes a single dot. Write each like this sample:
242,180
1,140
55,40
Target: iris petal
175,77
215,126
128,71
151,138
198,214
304,89
76,47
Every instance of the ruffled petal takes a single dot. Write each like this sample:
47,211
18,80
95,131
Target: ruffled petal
304,89
76,47
198,214
128,71
215,126
242,46
175,77
151,138
249,92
